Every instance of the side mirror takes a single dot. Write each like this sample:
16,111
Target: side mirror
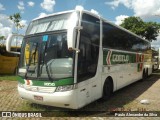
13,38
71,33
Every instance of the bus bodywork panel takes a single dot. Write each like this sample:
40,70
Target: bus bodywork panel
45,92
124,67
58,99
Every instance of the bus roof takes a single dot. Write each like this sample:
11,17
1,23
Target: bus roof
95,15
58,13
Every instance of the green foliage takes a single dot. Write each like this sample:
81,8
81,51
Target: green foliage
147,30
8,77
2,38
151,30
16,20
2,45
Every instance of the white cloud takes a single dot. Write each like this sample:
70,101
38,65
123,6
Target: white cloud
79,7
31,4
5,31
42,15
21,6
141,8
94,11
5,21
119,19
1,7
24,22
116,3
6,25
146,8
48,5
113,4
156,43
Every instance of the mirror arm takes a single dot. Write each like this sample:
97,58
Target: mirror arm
74,49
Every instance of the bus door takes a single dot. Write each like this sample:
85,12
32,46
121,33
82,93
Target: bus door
87,77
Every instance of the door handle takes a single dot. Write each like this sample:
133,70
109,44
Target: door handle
94,86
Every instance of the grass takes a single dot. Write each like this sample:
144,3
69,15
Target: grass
8,77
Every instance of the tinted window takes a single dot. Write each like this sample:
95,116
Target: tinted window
89,47
116,38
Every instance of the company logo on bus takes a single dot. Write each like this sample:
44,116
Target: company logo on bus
113,58
49,84
120,58
28,82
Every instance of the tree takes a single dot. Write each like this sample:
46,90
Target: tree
2,45
151,30
1,39
147,30
16,20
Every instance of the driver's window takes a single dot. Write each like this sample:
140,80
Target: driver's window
89,48
31,53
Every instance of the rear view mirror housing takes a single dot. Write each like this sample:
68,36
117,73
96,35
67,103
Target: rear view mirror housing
72,29
9,40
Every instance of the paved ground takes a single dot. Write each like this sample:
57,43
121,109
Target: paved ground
125,99
9,99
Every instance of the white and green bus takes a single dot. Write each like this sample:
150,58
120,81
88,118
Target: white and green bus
73,58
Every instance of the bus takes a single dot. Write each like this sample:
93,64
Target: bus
155,59
70,59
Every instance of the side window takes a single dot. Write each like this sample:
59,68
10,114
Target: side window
139,45
116,38
108,36
89,47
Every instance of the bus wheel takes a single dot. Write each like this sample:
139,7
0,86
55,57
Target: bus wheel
143,76
107,89
146,74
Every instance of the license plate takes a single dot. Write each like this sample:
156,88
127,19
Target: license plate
40,98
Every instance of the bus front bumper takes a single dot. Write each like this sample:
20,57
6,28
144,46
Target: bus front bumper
65,99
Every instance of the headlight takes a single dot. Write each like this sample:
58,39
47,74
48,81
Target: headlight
21,85
66,88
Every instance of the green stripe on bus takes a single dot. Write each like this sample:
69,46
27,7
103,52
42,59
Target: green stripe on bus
61,82
20,80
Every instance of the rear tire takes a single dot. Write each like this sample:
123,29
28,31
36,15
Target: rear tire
143,75
107,89
146,74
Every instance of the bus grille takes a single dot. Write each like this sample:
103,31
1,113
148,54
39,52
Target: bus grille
40,89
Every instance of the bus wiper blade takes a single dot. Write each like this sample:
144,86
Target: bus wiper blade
48,71
44,63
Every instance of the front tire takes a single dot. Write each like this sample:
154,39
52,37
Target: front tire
107,89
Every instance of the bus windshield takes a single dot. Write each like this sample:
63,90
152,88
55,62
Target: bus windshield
45,53
46,56
51,23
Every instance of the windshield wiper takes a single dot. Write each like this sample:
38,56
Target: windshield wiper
43,57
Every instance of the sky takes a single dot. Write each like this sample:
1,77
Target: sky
112,10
